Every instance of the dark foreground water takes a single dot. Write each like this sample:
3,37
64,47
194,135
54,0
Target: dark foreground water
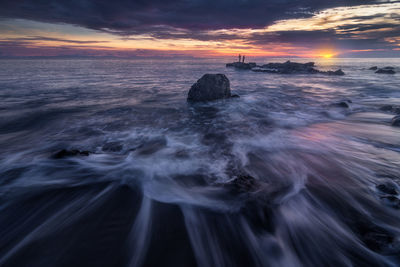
278,177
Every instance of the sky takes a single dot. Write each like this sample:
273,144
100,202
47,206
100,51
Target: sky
200,28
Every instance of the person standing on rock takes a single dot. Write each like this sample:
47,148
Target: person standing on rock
243,58
240,58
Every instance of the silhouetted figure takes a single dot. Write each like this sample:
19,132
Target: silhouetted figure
243,58
240,58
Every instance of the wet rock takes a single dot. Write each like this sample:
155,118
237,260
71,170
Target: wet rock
396,121
112,147
391,108
385,71
151,146
388,68
339,72
344,104
387,188
391,201
235,96
242,65
70,153
210,87
378,241
373,68
294,68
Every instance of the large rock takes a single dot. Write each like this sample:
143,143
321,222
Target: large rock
294,68
210,87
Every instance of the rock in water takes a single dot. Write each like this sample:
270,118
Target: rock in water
385,71
373,68
396,121
210,87
70,153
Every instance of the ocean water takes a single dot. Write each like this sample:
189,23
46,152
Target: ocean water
282,176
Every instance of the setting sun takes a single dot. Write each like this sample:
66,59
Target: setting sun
327,55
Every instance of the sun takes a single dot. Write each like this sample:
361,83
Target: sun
327,55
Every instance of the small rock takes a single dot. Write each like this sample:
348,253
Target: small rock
344,104
235,96
387,188
70,153
373,68
396,121
338,72
210,87
385,71
391,108
388,68
386,108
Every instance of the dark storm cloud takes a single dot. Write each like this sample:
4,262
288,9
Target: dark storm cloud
42,38
145,16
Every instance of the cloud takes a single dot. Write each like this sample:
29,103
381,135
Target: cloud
127,17
49,39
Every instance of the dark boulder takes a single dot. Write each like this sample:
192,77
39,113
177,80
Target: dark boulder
396,121
210,87
388,68
373,68
385,71
70,153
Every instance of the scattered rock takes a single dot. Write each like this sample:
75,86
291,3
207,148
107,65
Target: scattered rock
210,87
112,147
373,68
70,153
396,121
385,71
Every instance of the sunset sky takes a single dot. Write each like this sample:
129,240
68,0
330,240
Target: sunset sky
174,28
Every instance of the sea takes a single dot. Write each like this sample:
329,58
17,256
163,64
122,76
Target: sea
103,162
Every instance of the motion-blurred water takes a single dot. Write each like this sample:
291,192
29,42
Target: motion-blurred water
279,177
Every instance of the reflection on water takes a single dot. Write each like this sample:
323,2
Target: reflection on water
280,177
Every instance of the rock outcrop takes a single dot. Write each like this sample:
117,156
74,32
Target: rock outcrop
210,87
242,65
287,67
